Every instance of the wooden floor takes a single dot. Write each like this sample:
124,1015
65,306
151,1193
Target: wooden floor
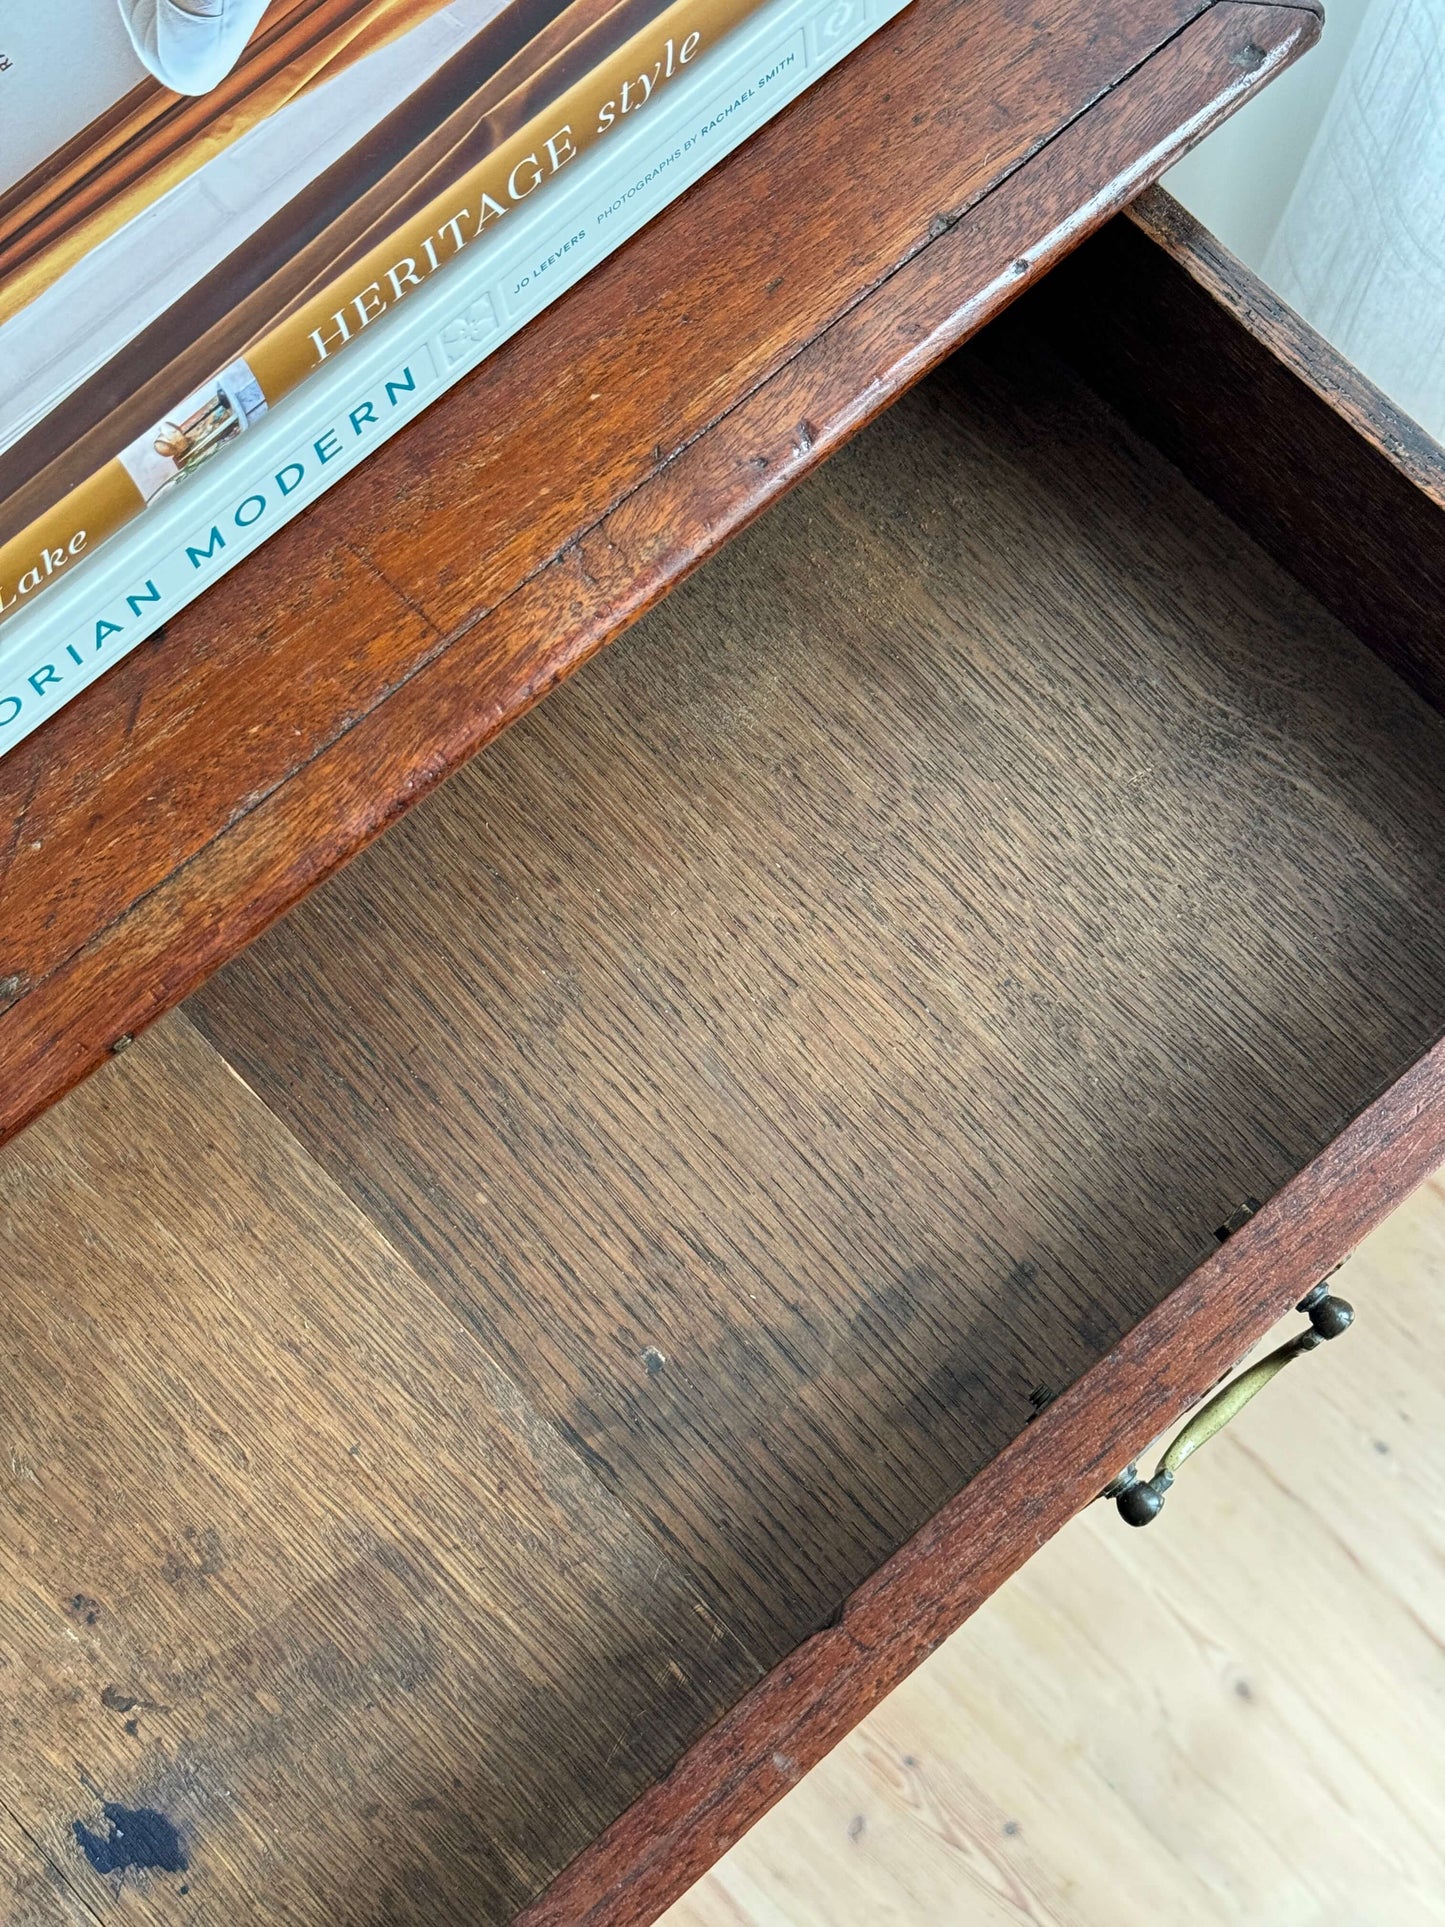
1236,1716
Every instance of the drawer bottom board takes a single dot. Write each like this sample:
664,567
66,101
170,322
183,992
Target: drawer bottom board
686,1151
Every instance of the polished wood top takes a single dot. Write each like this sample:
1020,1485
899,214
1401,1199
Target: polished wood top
162,820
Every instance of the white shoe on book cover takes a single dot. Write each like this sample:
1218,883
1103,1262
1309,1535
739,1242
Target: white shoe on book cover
191,45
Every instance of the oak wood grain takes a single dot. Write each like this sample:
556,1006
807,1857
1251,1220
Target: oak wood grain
810,1041
33,1892
1024,129
288,1563
469,474
1266,417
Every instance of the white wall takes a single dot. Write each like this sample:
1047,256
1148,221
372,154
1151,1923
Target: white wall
1330,184
1238,181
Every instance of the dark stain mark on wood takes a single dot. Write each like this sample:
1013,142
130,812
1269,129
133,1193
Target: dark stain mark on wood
118,1702
457,1614
200,1559
138,1837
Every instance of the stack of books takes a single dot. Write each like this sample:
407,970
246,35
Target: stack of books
242,242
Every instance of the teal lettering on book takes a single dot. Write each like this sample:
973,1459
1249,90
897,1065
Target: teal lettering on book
47,676
197,556
324,448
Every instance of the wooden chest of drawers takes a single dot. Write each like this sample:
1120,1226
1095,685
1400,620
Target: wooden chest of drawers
711,1192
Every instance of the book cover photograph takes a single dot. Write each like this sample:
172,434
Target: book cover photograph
201,203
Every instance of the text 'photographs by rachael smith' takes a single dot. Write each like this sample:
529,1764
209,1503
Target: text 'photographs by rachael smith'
202,200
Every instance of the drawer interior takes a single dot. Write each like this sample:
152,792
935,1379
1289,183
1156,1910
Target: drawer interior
685,1150
811,1039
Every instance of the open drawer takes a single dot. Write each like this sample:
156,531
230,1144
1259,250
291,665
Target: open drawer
718,1185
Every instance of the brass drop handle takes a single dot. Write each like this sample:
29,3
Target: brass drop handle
1139,1500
